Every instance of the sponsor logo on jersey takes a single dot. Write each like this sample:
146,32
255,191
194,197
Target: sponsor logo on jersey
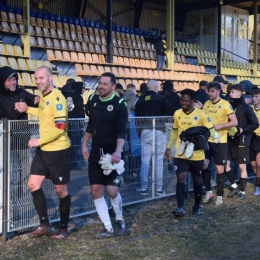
47,103
59,107
110,108
57,98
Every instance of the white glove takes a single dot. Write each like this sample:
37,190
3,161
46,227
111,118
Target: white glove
216,138
108,167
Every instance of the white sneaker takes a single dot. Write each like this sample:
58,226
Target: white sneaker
189,150
219,201
216,138
181,148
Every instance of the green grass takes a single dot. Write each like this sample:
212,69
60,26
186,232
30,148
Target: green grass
229,231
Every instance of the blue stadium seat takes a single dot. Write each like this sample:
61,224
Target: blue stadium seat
86,22
45,16
136,31
64,19
10,9
32,13
102,26
140,32
131,30
91,23
144,33
149,35
126,30
39,14
17,10
70,20
97,24
76,21
117,28
122,29
113,27
57,18
82,22
2,7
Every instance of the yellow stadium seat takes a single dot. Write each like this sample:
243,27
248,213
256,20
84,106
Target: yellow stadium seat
21,64
12,63
31,65
56,81
26,78
3,62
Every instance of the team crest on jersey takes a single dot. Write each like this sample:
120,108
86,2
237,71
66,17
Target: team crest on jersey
47,103
195,118
59,107
219,106
208,119
110,108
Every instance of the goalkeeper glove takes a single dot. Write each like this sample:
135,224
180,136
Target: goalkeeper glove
108,167
216,138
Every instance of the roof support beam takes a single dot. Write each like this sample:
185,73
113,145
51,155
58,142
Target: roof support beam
109,30
219,40
255,39
138,11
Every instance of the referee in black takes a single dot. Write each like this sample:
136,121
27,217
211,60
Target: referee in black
108,119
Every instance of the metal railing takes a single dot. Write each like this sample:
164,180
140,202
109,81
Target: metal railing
17,211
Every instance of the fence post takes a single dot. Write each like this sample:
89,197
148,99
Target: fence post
153,160
5,177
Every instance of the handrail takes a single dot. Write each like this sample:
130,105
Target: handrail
235,54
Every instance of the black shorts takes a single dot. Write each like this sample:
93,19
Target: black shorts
183,165
254,148
54,165
219,152
95,172
239,154
208,154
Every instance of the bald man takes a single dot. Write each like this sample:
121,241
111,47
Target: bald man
52,157
152,105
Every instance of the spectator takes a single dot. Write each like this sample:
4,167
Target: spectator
201,94
170,94
130,98
152,105
119,91
247,89
160,47
222,83
143,90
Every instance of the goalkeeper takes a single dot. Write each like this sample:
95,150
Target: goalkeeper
108,119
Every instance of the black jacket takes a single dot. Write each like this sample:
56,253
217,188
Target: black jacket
74,102
247,120
158,46
202,96
198,135
152,104
172,97
9,98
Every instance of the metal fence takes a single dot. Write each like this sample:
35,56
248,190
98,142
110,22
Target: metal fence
16,206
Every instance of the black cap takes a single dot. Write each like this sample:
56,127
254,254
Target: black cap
70,81
220,79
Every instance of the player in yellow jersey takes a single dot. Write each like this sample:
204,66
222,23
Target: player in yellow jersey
186,118
254,151
223,117
52,157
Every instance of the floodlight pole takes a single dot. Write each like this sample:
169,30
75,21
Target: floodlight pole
109,30
219,40
26,25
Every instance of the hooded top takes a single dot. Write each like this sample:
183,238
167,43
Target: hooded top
170,94
131,99
9,98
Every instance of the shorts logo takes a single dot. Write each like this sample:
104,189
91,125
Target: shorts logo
59,107
60,178
175,167
244,159
110,108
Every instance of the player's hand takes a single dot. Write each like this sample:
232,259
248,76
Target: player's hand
116,157
167,154
33,143
36,100
198,104
217,127
20,106
85,153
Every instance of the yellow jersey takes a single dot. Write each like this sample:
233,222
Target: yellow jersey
218,113
52,111
183,121
257,113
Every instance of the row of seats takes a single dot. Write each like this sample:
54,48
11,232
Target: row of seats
10,50
188,45
27,79
120,72
235,71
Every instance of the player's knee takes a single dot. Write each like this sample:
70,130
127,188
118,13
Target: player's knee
61,191
32,186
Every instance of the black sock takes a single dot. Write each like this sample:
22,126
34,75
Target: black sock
242,185
39,202
257,182
230,176
206,177
180,194
197,194
220,184
64,211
